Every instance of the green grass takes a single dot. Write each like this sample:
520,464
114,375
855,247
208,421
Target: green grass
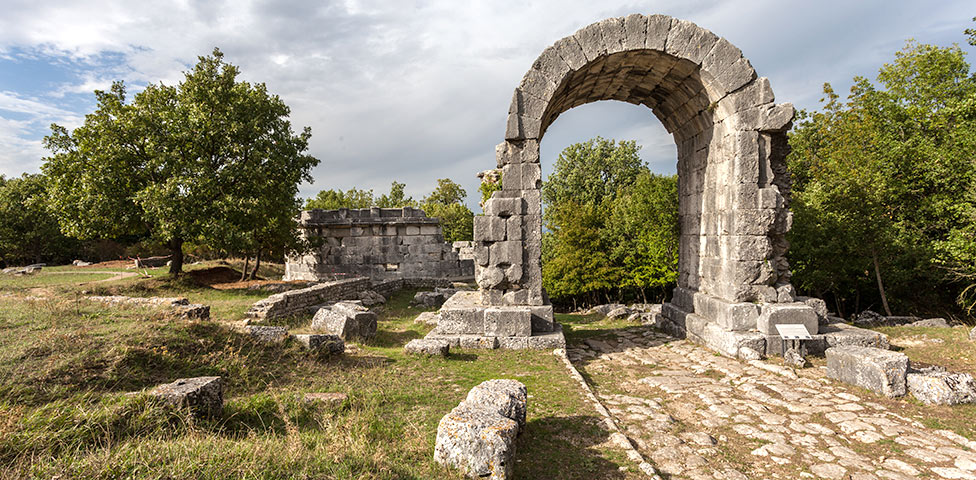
44,279
67,365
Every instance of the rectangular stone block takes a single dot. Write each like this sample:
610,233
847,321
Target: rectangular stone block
413,230
488,228
881,371
508,322
773,314
507,252
531,176
461,320
727,315
511,178
504,207
513,228
542,318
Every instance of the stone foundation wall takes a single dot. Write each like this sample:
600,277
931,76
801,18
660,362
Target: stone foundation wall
295,302
377,243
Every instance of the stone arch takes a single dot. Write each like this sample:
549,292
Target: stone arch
733,184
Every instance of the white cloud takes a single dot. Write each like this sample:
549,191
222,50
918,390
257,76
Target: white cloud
418,90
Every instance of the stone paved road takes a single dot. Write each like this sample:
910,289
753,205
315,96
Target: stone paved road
697,415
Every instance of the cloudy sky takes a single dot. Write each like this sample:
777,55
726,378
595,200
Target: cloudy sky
409,90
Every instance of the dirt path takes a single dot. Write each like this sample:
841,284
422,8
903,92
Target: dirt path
698,415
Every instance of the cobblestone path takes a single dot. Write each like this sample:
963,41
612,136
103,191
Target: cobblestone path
697,415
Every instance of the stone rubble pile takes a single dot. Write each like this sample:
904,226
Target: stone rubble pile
478,436
433,299
179,305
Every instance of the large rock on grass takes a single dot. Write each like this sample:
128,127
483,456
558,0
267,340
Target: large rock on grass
348,320
429,347
881,371
478,436
324,342
204,396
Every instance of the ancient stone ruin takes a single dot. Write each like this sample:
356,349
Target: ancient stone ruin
376,243
734,284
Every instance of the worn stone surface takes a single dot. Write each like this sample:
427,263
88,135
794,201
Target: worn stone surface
430,299
428,318
938,387
330,399
930,322
349,321
330,343
268,334
204,396
192,311
370,298
478,436
878,370
376,243
429,347
669,396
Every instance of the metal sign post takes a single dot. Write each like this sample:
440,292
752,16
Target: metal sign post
794,333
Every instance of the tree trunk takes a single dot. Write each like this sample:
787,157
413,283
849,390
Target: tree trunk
176,264
257,265
881,289
244,270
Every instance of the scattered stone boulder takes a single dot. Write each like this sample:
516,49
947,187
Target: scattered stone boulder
618,313
478,436
204,396
604,309
330,343
267,334
80,263
935,386
930,322
431,299
428,318
348,320
429,347
972,334
819,306
881,371
370,298
193,311
869,318
793,358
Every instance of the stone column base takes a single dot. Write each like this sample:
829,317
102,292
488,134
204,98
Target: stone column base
467,323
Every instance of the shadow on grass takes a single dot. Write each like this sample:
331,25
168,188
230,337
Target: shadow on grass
563,447
462,357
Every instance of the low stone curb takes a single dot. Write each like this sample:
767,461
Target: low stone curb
616,435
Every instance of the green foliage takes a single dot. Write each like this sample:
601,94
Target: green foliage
446,202
29,231
612,226
356,198
887,179
212,159
972,34
490,183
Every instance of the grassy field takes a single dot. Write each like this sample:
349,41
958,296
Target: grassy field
67,367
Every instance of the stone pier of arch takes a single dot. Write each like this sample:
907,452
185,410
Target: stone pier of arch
734,279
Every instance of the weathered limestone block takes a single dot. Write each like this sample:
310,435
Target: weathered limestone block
267,334
370,298
730,316
488,228
881,371
508,321
931,322
938,387
504,206
461,320
507,397
427,347
428,318
478,436
348,320
819,307
786,313
204,396
330,343
430,299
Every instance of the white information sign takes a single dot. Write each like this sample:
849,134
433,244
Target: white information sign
793,332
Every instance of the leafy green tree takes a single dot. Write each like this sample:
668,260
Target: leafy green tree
645,232
356,198
29,231
208,159
883,183
611,225
446,202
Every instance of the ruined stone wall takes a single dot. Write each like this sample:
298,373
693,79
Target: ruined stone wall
376,243
295,302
